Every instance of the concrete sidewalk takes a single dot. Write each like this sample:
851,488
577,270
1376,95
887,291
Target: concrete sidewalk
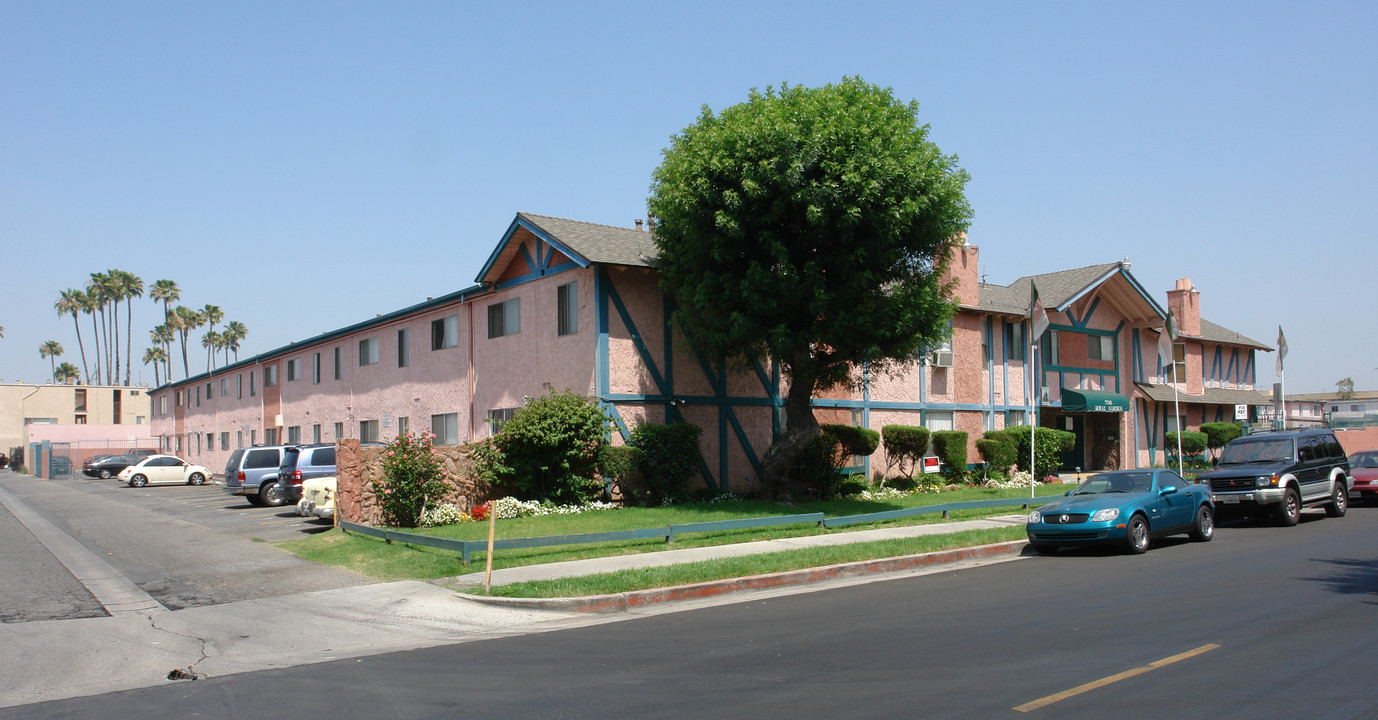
624,601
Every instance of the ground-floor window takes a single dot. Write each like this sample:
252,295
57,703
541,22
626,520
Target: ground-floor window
368,431
446,428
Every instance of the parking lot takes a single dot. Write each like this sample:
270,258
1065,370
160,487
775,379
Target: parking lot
208,505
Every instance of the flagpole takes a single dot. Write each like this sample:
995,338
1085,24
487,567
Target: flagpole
1177,411
1033,415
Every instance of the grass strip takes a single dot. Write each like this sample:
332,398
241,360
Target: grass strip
720,569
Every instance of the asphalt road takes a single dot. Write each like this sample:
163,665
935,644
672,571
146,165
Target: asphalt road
183,546
1263,622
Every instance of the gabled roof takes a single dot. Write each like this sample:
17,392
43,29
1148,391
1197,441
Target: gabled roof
582,242
1211,332
1210,396
1058,290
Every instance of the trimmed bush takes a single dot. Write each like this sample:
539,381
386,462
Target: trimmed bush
854,440
549,450
905,446
669,456
998,452
1218,435
1193,443
621,464
951,448
1051,445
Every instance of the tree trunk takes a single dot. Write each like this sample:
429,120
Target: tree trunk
800,429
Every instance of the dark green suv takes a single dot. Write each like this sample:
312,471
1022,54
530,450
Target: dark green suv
1281,472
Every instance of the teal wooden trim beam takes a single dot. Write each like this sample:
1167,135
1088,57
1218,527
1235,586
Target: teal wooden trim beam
1079,370
532,277
533,267
866,410
899,405
1083,330
1084,321
746,444
711,400
1138,419
666,315
636,339
615,416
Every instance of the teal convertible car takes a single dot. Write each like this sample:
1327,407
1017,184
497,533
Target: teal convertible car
1128,507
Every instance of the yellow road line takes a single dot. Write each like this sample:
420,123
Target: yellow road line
1057,697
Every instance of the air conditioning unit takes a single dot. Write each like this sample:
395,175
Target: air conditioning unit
942,359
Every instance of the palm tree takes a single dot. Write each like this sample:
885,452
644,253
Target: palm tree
212,314
155,355
51,350
88,301
98,289
166,292
187,320
162,337
132,286
66,373
234,332
211,341
70,302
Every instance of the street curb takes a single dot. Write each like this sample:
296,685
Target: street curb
623,602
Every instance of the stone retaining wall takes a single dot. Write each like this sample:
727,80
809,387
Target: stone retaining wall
357,467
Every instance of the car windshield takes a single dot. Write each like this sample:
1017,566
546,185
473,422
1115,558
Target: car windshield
1123,482
1364,460
1257,451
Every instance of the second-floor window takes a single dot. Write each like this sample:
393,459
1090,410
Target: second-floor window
567,309
368,351
445,332
505,318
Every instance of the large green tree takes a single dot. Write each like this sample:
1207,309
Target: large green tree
812,226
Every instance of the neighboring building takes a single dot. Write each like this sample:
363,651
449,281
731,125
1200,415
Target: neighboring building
23,405
562,304
1356,409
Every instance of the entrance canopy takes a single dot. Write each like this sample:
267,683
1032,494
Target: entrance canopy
1093,401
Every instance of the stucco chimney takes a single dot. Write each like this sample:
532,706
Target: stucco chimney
1185,303
962,267
638,223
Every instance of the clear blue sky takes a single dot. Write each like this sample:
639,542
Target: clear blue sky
307,165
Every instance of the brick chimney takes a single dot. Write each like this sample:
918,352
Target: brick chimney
1185,303
962,267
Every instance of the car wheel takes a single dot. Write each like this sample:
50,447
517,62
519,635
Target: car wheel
1043,548
104,474
271,494
1339,501
1289,512
1136,535
138,481
196,479
254,500
1204,529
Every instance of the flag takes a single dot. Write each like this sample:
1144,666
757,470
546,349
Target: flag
1282,351
1165,339
1038,319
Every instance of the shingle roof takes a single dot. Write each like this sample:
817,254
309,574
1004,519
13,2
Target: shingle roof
1055,289
1212,396
598,243
1220,334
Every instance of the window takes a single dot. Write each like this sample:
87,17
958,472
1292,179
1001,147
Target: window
505,318
446,428
339,430
339,364
162,405
270,436
567,309
253,437
225,440
270,376
938,420
239,439
208,390
315,368
368,351
368,431
497,417
445,332
251,383
179,443
294,435
1050,349
316,433
403,349
1015,418
1100,347
79,402
1177,372
1015,343
293,369
198,396
239,386
403,425
224,387
79,419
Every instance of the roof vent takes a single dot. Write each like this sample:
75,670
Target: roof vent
1125,264
638,223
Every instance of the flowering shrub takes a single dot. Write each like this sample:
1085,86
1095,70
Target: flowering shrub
1020,479
442,514
411,479
479,512
508,508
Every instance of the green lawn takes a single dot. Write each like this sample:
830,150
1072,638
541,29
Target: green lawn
399,561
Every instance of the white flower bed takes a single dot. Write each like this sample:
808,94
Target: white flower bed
508,508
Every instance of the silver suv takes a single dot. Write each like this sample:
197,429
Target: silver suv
1281,472
253,473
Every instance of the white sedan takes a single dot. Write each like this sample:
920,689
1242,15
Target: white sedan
164,469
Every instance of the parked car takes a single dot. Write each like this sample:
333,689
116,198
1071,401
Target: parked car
107,466
1281,472
164,469
253,473
303,462
317,497
1363,475
1124,507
